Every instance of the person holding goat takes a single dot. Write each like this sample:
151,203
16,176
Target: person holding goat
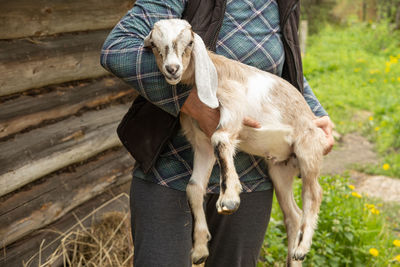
262,34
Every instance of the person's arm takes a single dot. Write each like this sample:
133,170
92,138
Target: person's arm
312,100
323,121
123,53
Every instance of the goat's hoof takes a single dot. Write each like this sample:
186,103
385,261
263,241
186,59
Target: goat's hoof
199,255
227,207
300,251
199,261
298,256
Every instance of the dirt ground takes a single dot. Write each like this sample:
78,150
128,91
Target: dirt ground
354,149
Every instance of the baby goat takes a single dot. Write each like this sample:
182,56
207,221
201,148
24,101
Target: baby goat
288,139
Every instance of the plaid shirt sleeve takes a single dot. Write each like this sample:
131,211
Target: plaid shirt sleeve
312,101
123,53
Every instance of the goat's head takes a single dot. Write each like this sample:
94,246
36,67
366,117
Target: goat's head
175,45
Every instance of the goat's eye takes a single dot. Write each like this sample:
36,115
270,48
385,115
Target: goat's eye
152,44
191,43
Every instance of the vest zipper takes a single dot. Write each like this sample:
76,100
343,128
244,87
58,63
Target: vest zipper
290,12
214,41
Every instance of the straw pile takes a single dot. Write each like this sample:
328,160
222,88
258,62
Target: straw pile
107,243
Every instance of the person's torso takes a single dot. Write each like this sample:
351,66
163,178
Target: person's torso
250,33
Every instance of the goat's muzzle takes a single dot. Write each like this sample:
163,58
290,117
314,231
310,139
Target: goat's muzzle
172,73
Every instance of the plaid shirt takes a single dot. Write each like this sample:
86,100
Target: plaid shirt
250,33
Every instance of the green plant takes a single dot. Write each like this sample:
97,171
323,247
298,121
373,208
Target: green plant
355,73
349,226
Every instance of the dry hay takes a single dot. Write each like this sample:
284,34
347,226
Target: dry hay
106,243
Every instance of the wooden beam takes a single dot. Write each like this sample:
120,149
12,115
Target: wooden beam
21,18
43,203
39,152
28,110
27,247
34,63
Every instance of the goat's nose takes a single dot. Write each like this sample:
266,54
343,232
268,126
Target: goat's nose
172,69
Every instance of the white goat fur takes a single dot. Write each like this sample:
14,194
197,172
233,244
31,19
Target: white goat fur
243,91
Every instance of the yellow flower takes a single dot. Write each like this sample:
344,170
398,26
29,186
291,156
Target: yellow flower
371,118
351,186
376,129
355,194
374,252
374,71
375,211
370,206
372,80
385,80
398,78
396,242
357,70
387,66
360,60
397,258
393,60
386,166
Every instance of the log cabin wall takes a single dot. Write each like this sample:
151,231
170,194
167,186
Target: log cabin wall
59,153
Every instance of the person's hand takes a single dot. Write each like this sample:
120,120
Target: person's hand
326,125
206,117
247,121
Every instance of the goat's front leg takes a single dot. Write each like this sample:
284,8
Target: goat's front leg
224,146
282,175
204,160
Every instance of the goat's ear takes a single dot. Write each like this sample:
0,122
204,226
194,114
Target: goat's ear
205,74
147,40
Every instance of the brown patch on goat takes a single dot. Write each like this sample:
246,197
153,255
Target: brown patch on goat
223,164
228,69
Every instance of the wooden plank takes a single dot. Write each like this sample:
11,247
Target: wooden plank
39,152
43,203
28,110
34,63
27,247
21,18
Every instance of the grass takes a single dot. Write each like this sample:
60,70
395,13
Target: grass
101,238
355,72
351,228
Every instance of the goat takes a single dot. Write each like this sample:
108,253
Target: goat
289,140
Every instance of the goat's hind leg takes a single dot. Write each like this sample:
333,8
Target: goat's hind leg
224,145
282,175
310,160
204,160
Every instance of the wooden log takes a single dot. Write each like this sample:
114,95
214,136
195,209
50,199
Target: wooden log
27,110
39,152
21,18
28,247
26,64
43,203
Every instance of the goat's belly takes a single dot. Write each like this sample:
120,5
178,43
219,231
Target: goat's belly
269,142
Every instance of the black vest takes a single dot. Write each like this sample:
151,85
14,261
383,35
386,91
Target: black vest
146,128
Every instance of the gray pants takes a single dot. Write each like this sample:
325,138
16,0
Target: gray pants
162,227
